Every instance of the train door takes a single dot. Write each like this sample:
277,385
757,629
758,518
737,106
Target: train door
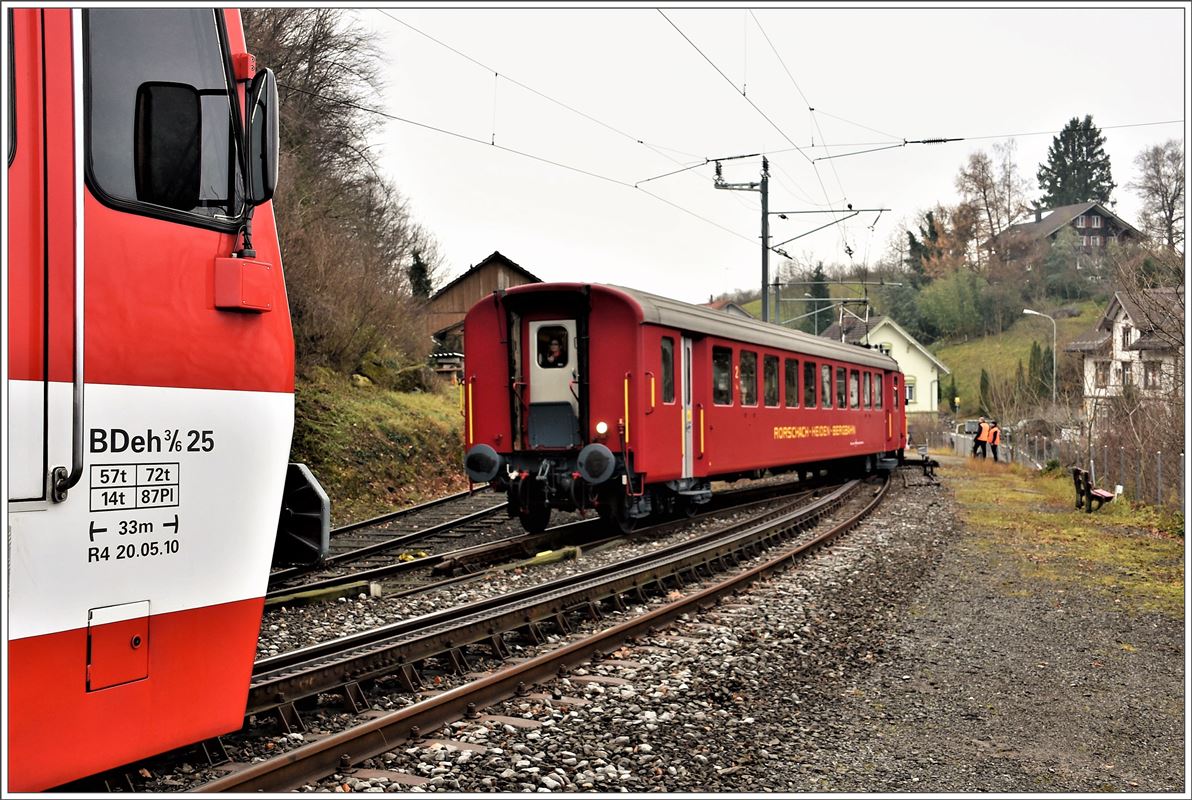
688,427
553,417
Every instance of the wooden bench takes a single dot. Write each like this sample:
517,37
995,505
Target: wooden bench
1086,493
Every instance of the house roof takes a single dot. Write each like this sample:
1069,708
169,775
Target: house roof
1058,218
857,331
1146,311
494,258
727,306
1089,342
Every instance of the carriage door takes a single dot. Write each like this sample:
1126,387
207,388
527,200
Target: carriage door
688,448
554,380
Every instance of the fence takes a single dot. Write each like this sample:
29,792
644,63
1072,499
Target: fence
1156,478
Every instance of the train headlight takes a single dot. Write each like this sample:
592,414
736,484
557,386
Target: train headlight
602,428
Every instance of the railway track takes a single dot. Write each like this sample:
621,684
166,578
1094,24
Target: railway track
741,553
461,537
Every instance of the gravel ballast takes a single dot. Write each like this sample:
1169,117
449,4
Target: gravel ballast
911,656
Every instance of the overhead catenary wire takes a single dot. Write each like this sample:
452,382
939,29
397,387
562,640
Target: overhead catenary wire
514,151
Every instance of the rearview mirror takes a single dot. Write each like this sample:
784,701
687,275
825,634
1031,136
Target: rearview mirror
262,137
167,132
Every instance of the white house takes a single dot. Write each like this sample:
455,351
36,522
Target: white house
923,371
1137,345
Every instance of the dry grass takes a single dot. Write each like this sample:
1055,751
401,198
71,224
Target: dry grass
1131,556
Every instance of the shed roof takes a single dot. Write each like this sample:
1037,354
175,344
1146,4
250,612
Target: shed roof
494,258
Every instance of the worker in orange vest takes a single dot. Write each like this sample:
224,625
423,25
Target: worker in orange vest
982,438
995,437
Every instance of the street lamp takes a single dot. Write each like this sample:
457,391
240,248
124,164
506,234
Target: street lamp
1053,375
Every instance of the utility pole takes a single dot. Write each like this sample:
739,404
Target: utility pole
762,186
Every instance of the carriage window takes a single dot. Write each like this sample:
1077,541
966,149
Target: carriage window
722,376
792,382
748,378
552,347
854,389
668,369
809,384
770,380
825,386
877,390
141,110
867,395
840,388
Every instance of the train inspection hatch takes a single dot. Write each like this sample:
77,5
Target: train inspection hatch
117,645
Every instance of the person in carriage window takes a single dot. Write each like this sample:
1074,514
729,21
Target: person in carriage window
550,353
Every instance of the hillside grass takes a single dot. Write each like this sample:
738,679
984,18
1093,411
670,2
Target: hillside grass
376,450
999,355
1131,556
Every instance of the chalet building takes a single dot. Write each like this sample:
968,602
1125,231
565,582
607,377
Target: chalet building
1137,346
923,371
728,307
1096,228
446,309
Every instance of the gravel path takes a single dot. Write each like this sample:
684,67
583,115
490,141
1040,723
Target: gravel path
912,656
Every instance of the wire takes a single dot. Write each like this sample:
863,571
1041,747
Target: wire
730,83
514,151
532,90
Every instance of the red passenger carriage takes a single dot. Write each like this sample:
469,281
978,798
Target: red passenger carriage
590,396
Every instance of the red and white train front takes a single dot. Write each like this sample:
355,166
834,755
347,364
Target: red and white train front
150,383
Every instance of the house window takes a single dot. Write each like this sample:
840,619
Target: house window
722,376
748,378
910,390
792,382
1101,371
1080,221
1151,374
1084,241
770,380
1127,374
1125,336
1096,240
1096,222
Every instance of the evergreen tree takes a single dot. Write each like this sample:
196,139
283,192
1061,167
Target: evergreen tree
822,302
419,274
1077,168
1019,381
1034,370
1048,377
985,404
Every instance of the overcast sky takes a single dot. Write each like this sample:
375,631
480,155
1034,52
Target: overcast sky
650,102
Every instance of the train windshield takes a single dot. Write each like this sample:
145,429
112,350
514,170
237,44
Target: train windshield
130,54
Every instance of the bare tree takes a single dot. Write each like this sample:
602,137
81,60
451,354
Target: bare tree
1160,186
996,191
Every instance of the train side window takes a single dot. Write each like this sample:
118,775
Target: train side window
877,390
748,378
840,387
792,382
140,69
770,380
722,376
809,384
668,369
854,389
552,347
825,386
866,380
